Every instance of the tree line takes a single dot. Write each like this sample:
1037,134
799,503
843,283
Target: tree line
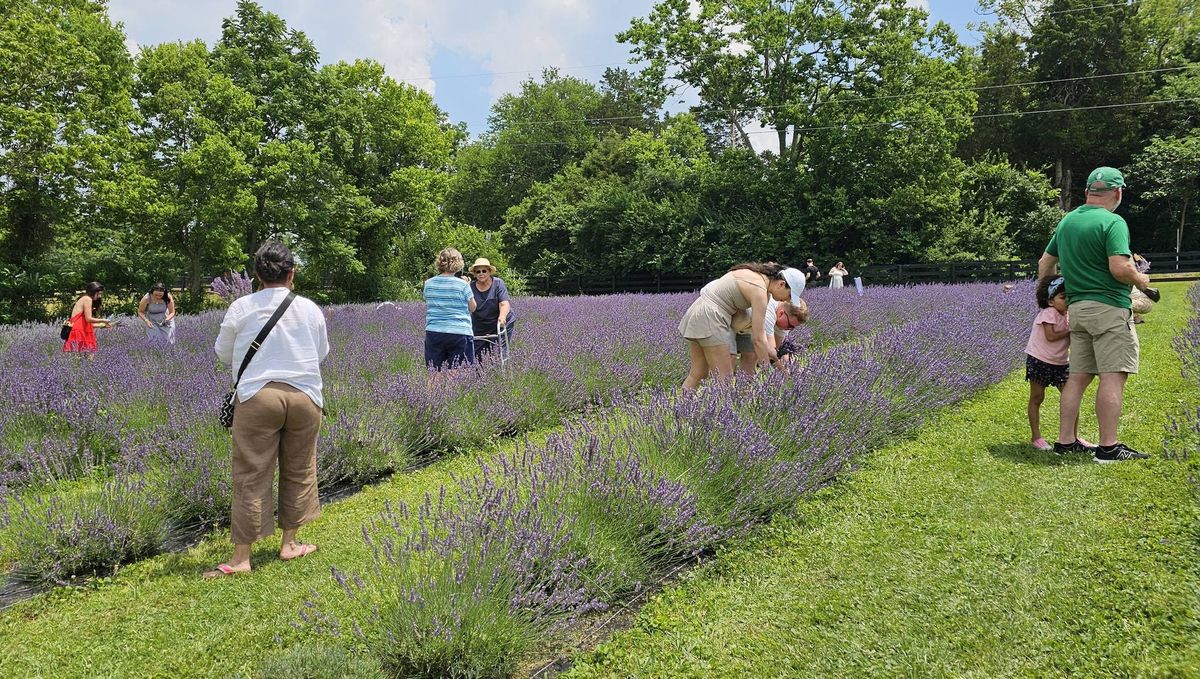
886,140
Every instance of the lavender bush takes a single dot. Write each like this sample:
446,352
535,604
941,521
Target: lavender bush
617,499
236,285
1183,429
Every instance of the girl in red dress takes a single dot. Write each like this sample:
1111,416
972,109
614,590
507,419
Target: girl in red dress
83,321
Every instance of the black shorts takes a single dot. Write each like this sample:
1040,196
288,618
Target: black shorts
1046,374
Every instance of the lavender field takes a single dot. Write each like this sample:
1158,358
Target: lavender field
110,462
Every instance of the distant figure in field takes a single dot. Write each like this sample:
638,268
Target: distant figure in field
493,313
157,311
84,320
278,409
836,274
1091,245
708,324
449,335
1046,353
811,272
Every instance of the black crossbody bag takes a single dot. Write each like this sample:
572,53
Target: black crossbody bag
226,414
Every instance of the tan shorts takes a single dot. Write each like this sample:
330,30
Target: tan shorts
1103,339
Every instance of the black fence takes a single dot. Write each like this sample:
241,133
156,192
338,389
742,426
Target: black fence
874,274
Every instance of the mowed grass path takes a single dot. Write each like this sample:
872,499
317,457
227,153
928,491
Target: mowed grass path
959,552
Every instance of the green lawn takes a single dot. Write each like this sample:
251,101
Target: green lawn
959,552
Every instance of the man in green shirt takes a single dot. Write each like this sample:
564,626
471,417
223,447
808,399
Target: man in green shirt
1091,247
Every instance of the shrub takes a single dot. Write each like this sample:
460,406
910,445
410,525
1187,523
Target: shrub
321,661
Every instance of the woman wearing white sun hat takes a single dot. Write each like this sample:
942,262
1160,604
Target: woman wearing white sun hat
710,322
493,307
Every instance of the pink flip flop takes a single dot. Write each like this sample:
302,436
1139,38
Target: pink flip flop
305,550
222,570
1041,444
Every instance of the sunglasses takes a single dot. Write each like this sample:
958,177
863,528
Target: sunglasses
480,272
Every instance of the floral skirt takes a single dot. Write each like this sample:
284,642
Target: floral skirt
1047,374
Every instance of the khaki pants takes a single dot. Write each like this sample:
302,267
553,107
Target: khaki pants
1102,339
279,423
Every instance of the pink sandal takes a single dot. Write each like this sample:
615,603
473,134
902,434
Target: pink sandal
1041,444
305,550
222,570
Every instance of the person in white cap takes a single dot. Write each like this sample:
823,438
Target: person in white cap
708,324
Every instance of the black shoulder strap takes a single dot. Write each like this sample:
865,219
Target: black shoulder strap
262,334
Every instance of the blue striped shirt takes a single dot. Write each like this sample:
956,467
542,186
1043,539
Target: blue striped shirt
446,297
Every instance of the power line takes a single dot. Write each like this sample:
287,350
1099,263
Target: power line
526,123
495,73
894,123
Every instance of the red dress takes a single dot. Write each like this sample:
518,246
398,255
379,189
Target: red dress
82,337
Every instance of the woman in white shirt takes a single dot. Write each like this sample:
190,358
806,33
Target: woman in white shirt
278,409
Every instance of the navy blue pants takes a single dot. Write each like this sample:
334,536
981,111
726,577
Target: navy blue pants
443,349
483,347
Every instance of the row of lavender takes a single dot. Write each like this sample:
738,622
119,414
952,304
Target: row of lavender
485,571
1183,430
100,460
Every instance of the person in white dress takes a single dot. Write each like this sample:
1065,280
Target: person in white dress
836,274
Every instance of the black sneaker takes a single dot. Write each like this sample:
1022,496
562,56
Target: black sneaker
1118,453
1073,447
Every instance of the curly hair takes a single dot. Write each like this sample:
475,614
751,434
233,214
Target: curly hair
273,262
796,311
449,260
1043,291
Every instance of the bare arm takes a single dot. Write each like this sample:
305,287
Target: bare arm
505,308
141,312
1047,265
170,310
87,314
1052,335
1123,269
757,296
471,304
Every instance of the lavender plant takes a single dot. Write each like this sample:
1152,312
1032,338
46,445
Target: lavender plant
1183,429
235,285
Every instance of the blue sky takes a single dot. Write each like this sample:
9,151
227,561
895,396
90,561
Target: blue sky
464,52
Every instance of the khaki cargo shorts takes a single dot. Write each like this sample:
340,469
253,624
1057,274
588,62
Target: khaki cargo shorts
1103,339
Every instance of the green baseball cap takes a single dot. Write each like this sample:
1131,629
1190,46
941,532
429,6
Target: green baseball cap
1105,179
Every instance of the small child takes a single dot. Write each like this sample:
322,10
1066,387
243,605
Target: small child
1046,351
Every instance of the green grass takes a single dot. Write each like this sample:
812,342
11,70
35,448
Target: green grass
959,552
159,618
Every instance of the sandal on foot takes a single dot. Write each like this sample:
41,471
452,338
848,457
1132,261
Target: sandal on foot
1041,444
305,550
222,570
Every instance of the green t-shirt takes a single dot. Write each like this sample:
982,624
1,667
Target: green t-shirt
1083,242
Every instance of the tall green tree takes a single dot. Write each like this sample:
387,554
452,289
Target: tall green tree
1168,170
771,62
387,147
537,132
277,66
64,111
195,123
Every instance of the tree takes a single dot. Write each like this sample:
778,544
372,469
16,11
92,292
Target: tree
772,62
531,136
1169,168
277,67
386,147
195,122
64,111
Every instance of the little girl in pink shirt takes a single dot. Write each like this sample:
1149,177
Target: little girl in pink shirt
1046,351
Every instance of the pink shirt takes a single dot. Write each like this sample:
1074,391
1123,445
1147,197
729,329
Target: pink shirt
1039,347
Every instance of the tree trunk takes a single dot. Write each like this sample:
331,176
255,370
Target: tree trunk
1062,181
1179,231
194,286
782,132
